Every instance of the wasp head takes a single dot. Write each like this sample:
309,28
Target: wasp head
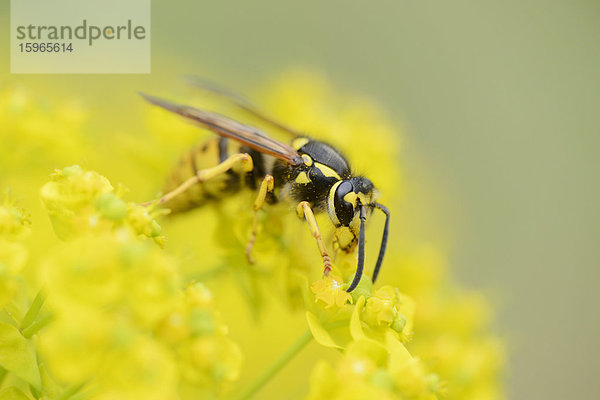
347,197
350,201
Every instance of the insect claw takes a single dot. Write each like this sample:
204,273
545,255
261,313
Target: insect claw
328,266
249,252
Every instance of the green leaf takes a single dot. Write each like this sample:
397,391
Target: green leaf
36,326
17,355
71,392
33,311
13,393
51,388
319,332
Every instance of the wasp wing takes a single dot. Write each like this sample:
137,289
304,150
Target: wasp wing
250,136
239,101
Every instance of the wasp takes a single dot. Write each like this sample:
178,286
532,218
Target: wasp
311,175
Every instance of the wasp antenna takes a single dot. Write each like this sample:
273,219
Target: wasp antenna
384,240
361,250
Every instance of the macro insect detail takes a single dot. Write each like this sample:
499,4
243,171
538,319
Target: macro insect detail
308,173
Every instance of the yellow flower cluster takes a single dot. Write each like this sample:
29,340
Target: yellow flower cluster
370,370
116,316
206,356
14,227
80,201
118,323
376,363
120,303
35,133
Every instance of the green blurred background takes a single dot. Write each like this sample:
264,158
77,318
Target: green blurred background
500,104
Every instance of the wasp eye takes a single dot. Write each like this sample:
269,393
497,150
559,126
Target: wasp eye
344,210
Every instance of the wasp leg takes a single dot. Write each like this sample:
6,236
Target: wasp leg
265,186
304,211
206,174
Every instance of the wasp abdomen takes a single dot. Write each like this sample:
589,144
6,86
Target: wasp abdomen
204,156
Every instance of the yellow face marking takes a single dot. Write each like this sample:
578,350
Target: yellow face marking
364,200
302,179
299,142
307,160
331,204
327,171
351,198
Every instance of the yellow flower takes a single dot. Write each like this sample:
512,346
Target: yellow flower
14,227
210,361
142,220
142,370
331,292
14,221
70,199
80,201
37,133
370,370
112,292
388,307
207,359
12,258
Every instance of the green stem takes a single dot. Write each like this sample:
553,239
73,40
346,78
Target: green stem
276,366
33,311
36,326
3,374
69,392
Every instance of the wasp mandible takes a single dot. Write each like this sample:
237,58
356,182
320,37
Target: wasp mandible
311,174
